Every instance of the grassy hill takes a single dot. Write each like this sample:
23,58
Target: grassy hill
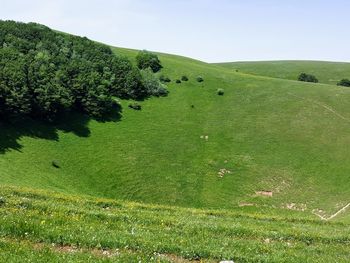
326,72
283,146
274,135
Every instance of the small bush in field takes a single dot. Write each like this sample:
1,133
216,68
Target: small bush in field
344,82
135,106
55,164
165,79
184,78
178,81
220,92
307,78
200,79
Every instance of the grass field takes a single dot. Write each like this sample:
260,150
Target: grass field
272,136
48,227
326,72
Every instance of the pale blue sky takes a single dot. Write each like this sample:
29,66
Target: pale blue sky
210,30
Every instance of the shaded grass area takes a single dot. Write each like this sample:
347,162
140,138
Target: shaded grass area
77,228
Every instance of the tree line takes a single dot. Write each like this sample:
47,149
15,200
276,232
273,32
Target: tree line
44,73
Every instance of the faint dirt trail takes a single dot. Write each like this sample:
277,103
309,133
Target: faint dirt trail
335,214
342,117
323,106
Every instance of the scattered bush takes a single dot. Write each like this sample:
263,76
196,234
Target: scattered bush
344,82
146,59
184,78
178,81
152,84
200,79
55,164
164,79
135,106
307,78
220,92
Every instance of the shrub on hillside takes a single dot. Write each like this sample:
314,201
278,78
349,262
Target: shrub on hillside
344,82
199,79
164,79
307,78
152,84
55,164
178,81
220,92
135,106
184,78
146,59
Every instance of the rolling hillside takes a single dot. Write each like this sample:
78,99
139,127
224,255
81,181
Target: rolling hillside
326,72
275,135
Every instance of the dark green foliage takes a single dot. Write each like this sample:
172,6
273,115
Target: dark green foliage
135,106
178,81
344,82
164,79
200,79
220,92
152,84
184,78
146,59
307,78
44,73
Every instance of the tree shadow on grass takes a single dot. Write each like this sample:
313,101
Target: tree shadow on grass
12,131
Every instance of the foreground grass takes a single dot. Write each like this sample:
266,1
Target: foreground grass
44,226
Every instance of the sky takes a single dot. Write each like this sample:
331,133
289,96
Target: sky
209,30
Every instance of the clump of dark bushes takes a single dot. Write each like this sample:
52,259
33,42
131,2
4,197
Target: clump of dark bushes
178,81
152,84
135,106
220,92
44,73
200,79
344,82
146,59
164,79
307,78
184,78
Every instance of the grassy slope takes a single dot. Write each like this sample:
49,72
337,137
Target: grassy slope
38,226
326,72
288,137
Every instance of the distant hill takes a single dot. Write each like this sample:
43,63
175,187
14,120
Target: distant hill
326,72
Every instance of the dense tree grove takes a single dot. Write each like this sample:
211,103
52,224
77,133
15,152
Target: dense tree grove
43,73
307,78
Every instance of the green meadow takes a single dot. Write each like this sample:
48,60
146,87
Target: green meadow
245,176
